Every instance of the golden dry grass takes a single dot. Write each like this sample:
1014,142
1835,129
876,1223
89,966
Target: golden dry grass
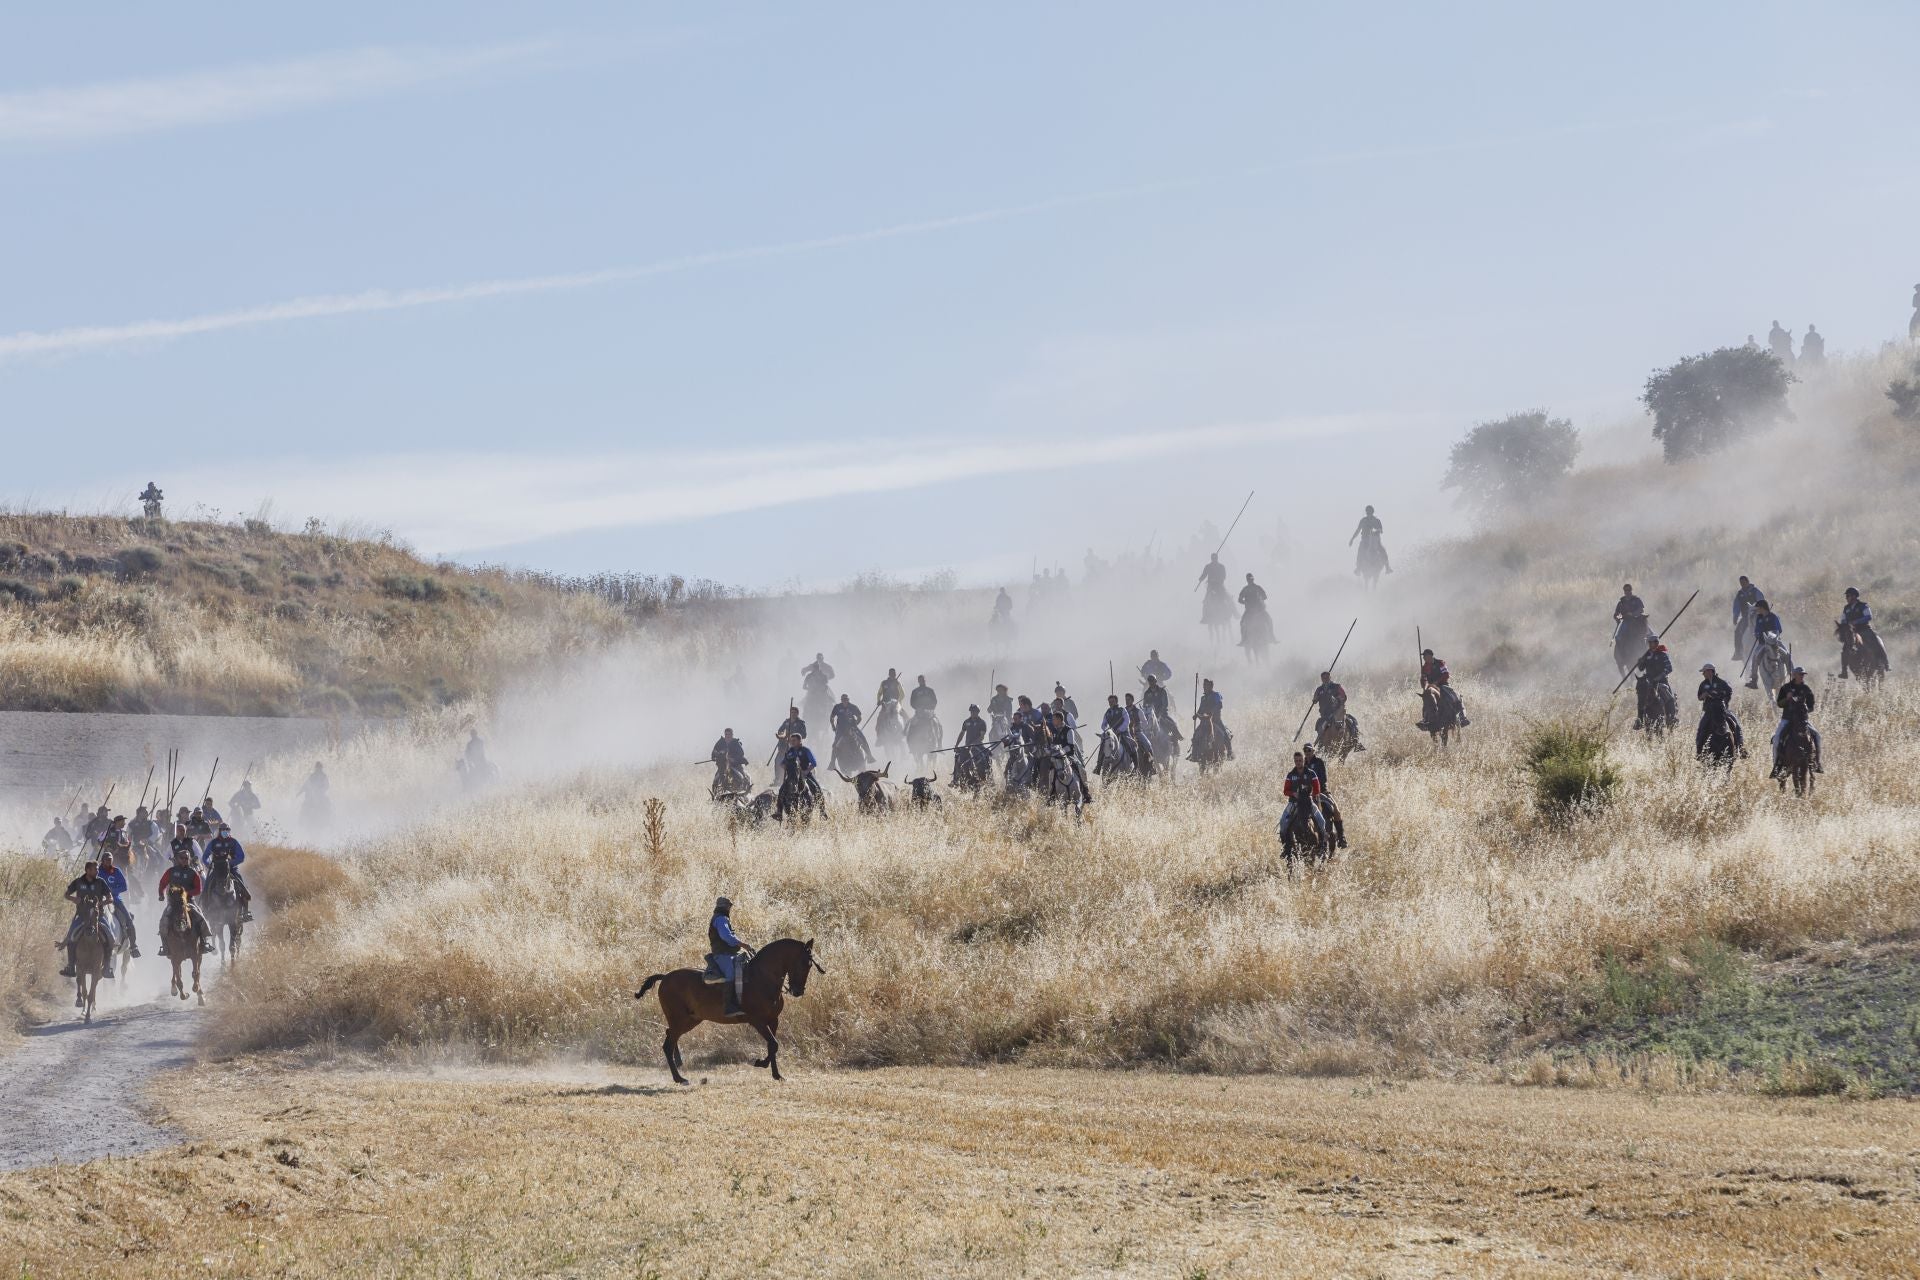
971,1173
32,917
103,613
1164,929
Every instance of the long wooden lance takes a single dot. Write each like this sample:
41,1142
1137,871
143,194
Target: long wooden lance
208,793
1230,528
1330,666
1659,635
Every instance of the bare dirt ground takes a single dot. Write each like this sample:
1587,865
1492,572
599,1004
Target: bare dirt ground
70,1093
972,1172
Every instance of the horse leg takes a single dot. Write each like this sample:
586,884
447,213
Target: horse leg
670,1049
199,995
772,1061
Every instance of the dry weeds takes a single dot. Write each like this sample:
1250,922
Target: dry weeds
970,1173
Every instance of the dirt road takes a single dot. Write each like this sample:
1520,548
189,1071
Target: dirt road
73,1092
984,1173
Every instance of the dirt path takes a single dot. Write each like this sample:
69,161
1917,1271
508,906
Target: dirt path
74,1092
1003,1172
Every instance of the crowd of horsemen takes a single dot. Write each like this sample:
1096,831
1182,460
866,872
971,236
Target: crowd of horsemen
1020,745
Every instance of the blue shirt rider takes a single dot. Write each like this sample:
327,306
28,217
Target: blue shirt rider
724,953
117,884
797,764
224,843
1212,704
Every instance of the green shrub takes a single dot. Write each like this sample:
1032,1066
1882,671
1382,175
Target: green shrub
1569,766
140,562
423,588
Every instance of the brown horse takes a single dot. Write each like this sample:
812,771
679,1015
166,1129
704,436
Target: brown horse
179,943
90,951
687,999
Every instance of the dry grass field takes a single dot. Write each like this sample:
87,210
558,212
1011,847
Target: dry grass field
909,1172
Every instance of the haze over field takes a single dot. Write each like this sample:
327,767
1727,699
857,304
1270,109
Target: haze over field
771,299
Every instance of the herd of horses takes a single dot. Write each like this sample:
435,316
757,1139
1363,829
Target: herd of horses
97,940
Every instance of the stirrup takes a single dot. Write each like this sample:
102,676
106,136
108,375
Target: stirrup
68,972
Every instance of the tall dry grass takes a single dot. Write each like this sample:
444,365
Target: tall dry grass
32,918
1163,929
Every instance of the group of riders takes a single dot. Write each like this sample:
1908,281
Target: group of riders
1760,644
1042,743
203,841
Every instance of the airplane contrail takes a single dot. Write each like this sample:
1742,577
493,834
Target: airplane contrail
94,337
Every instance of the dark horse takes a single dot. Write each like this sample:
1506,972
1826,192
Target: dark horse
1714,738
1208,746
1796,757
1862,656
221,905
1630,640
687,999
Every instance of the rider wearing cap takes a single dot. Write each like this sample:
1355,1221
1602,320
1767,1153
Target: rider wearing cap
724,953
1713,690
1858,614
226,844
1795,701
1652,670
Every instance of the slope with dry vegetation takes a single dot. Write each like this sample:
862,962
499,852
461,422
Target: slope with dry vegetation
100,613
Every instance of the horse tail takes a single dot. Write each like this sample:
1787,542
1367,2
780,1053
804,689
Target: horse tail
648,985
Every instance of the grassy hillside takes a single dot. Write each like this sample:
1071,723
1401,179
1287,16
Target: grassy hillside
100,613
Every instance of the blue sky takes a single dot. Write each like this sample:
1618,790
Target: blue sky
769,294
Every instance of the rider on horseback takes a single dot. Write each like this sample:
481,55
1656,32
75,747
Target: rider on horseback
224,843
1745,601
1115,721
1153,670
1630,605
1303,784
890,689
1858,615
724,954
846,718
1000,708
1795,701
1318,764
1211,705
797,767
1369,530
791,725
969,746
1714,692
117,884
1331,699
182,875
1435,676
729,756
1766,623
84,889
1650,673
1061,732
817,674
1214,574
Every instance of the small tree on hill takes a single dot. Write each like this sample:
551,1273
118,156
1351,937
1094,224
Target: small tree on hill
1701,404
1505,463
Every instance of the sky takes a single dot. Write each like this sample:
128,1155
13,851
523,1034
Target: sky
778,296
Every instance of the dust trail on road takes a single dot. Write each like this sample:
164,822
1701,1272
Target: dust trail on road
72,1092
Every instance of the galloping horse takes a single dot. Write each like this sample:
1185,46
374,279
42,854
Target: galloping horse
1256,632
1441,713
1796,758
923,737
1209,743
178,942
1859,659
1371,562
687,999
1216,613
221,904
1301,839
1334,738
1771,661
91,947
1716,748
1630,640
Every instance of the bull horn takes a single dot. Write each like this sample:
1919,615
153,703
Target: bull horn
843,777
884,772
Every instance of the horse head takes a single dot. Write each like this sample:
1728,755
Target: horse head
799,963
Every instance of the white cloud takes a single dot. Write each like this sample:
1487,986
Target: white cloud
462,502
125,107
